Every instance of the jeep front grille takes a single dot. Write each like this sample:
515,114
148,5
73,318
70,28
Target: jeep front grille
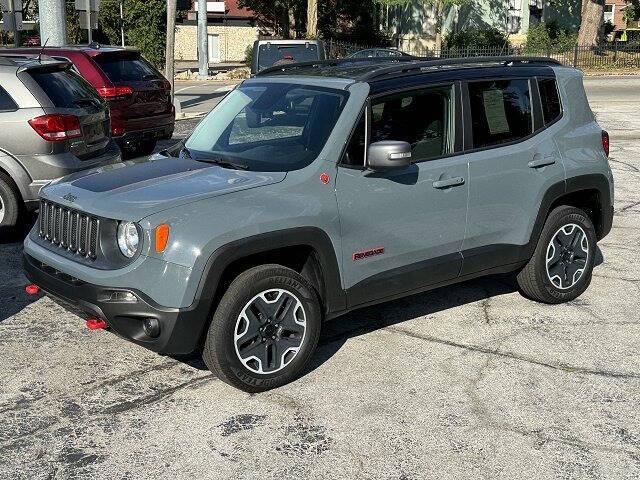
69,230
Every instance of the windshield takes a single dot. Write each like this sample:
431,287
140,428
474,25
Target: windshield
271,127
65,89
271,55
126,68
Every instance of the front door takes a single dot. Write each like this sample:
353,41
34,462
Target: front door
403,230
214,49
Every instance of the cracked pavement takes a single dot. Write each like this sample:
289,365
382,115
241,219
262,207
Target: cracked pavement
465,382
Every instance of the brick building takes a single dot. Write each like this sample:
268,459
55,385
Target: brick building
231,30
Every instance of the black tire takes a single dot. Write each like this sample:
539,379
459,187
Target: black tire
536,282
140,150
219,352
9,203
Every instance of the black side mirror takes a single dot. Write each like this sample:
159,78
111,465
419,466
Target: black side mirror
388,155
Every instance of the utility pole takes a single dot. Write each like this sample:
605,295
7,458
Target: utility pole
53,22
169,67
16,32
122,21
203,39
88,12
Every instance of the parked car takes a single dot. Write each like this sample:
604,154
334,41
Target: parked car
139,97
269,53
54,124
378,53
320,189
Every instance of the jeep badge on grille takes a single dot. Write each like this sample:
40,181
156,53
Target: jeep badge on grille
70,198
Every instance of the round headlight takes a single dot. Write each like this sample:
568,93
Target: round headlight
128,239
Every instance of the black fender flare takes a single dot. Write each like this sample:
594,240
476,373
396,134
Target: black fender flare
314,237
594,181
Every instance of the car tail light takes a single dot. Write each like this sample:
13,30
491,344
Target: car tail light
117,127
115,93
605,142
57,128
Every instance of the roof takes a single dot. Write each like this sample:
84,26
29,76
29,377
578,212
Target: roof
93,49
231,10
371,69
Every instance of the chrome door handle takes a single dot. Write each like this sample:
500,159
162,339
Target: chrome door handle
539,161
449,182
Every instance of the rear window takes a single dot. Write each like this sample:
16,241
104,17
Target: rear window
64,88
126,69
500,111
551,108
6,102
273,55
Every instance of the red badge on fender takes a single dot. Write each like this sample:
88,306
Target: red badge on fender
324,178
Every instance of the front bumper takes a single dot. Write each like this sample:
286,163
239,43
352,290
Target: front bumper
181,329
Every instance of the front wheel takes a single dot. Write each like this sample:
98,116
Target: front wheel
265,329
562,264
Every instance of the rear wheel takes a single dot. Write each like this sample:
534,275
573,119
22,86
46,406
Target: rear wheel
265,329
9,202
561,267
141,149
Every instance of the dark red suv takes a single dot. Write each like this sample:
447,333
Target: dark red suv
139,97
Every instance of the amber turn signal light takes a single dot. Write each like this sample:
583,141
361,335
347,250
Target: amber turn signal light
162,237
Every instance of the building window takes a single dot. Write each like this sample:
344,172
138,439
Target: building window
609,11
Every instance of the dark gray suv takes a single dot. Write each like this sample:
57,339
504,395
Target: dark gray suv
54,123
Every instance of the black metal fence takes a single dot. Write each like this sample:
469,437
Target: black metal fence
614,55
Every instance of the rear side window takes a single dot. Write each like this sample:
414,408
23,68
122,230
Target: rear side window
274,55
500,111
6,102
65,89
126,68
551,108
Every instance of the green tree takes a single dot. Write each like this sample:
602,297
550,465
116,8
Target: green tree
284,17
438,6
145,23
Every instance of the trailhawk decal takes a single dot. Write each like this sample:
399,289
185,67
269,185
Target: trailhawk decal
372,252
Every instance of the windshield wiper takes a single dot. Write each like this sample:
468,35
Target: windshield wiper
224,163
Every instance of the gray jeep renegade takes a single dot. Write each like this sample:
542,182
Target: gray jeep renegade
314,189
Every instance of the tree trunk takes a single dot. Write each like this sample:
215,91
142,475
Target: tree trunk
591,22
439,12
169,66
312,18
292,23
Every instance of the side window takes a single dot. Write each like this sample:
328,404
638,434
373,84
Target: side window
65,59
500,111
6,102
551,108
422,118
354,154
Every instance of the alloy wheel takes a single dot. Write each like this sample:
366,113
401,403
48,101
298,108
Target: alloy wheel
567,256
2,210
270,331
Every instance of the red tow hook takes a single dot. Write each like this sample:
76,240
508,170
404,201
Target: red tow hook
32,289
96,324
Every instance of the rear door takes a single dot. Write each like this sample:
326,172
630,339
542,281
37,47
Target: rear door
61,91
144,91
513,161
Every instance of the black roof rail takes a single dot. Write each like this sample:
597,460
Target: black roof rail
381,67
425,64
336,62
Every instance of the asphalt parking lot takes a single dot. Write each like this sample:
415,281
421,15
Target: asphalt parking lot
465,382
